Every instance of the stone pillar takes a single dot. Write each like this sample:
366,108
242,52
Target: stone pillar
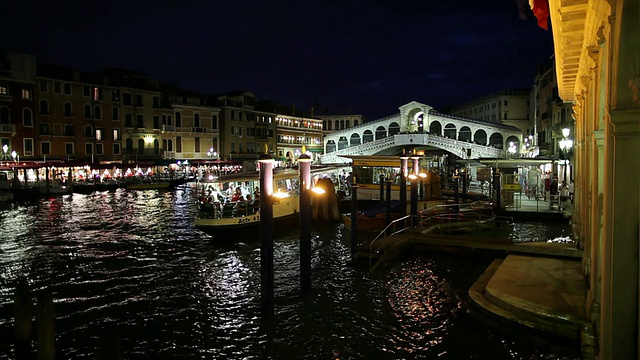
620,272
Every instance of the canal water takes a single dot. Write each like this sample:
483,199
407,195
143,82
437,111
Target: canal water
131,265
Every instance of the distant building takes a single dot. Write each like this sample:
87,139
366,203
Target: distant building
294,132
510,107
246,131
190,128
17,105
549,113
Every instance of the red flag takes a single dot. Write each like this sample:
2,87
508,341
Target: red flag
541,12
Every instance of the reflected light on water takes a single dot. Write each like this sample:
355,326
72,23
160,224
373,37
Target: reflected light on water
131,263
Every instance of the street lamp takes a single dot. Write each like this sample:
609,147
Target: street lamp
5,148
212,154
14,154
512,148
565,146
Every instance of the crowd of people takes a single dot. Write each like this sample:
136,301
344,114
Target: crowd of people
233,202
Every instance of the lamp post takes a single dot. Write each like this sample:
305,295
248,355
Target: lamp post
565,146
14,154
5,148
212,154
512,148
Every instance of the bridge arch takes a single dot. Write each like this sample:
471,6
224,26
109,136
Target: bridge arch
331,146
480,137
465,134
394,128
343,143
515,141
355,139
367,136
435,128
381,132
496,140
450,131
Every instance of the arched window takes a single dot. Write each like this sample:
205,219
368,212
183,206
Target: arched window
44,107
164,144
115,113
156,146
169,120
97,111
346,123
27,117
87,111
141,146
329,125
214,122
170,145
178,119
68,109
164,120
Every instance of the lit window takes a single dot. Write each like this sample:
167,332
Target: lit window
26,94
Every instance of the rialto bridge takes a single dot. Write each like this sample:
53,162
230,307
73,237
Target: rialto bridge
419,126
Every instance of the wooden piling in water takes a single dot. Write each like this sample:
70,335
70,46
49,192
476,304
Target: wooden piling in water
45,327
23,307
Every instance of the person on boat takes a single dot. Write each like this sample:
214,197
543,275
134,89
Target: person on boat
236,195
256,193
240,207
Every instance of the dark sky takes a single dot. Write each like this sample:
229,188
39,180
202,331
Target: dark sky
369,56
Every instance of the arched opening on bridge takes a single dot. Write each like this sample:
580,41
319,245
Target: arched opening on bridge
464,134
341,128
450,131
435,128
419,119
394,128
342,143
496,140
381,132
327,125
480,137
515,141
331,146
367,136
355,139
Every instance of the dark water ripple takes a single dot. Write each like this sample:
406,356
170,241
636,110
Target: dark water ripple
131,265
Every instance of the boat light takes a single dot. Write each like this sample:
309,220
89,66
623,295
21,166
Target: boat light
281,195
318,190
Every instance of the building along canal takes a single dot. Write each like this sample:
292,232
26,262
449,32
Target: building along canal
129,267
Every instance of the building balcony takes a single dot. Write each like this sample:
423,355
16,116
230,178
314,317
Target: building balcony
7,128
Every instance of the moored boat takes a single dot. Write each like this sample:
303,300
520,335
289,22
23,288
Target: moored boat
232,203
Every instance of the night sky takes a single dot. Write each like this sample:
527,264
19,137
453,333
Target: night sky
367,56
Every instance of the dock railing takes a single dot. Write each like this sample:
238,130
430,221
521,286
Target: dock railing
380,244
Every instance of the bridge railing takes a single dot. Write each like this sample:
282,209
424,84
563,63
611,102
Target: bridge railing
457,147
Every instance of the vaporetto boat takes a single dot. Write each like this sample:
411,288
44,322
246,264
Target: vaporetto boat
221,212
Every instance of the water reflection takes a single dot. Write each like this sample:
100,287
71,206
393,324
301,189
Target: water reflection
132,264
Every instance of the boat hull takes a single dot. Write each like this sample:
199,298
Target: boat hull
284,210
